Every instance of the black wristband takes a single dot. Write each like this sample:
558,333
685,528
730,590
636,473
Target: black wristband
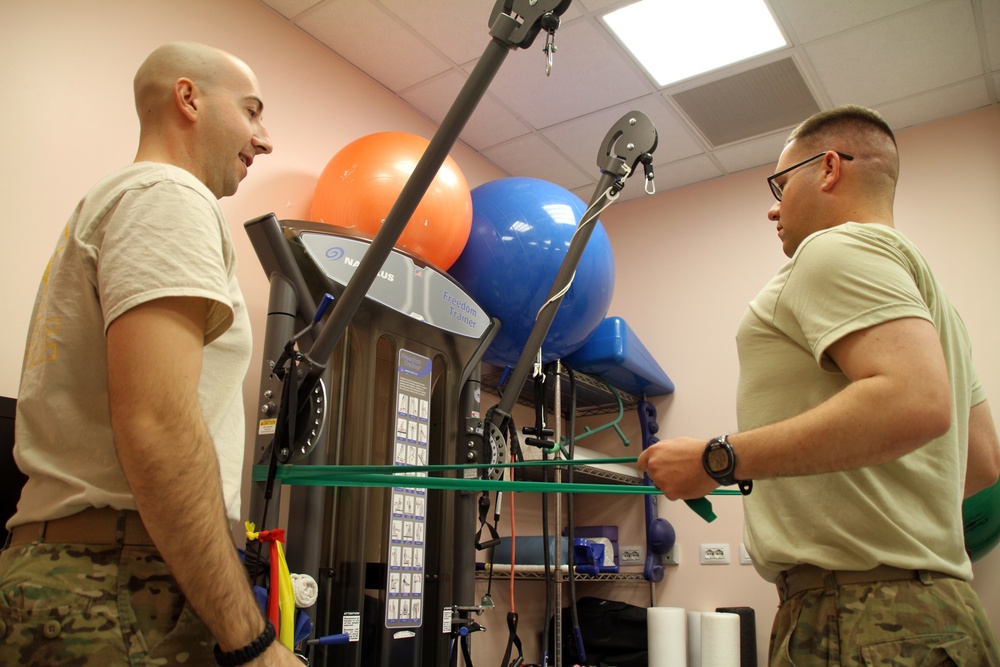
241,656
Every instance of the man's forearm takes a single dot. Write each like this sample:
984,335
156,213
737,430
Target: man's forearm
175,480
867,423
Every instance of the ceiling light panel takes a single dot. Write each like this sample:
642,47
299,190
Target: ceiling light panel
675,40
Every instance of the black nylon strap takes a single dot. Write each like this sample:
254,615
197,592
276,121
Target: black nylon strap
466,647
484,508
512,641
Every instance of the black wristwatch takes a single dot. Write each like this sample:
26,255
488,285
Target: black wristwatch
719,460
241,656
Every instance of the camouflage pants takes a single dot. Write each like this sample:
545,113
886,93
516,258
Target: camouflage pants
899,623
95,606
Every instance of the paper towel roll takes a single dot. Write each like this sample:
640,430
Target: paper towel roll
694,638
667,629
720,640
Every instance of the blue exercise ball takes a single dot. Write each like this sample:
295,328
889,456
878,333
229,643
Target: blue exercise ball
521,232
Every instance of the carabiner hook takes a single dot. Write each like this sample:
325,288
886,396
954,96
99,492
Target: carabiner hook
549,49
647,165
549,23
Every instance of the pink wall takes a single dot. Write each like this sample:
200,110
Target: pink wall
688,260
66,69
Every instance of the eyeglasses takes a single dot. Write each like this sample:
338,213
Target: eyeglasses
776,189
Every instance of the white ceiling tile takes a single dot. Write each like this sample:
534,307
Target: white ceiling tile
573,12
686,172
460,30
940,103
991,22
581,137
934,45
585,192
914,60
809,20
490,123
753,153
588,74
434,97
675,140
532,156
362,33
598,5
291,8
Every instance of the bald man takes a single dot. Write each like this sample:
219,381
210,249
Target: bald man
862,422
129,418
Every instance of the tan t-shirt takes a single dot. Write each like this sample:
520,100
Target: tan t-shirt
145,232
906,513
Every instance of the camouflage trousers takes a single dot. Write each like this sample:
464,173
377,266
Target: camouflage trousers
95,606
899,623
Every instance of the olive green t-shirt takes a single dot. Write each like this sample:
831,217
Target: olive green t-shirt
905,513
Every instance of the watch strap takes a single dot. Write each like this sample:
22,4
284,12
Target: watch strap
727,478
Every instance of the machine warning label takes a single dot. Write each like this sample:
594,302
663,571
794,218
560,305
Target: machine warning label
408,522
352,625
266,426
446,620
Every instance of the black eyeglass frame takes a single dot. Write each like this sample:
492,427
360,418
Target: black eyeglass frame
776,189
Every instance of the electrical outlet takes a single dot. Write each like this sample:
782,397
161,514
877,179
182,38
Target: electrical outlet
672,557
631,555
713,554
745,555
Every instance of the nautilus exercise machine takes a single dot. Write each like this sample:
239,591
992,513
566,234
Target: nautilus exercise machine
341,398
400,389
391,377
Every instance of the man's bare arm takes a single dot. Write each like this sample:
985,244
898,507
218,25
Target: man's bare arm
166,452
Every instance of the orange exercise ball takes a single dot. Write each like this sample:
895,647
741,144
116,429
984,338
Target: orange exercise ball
362,181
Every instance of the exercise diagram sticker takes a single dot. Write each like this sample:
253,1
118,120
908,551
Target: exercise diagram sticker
408,522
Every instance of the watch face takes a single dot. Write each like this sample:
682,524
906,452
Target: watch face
718,459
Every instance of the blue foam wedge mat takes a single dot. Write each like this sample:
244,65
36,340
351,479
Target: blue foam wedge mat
616,355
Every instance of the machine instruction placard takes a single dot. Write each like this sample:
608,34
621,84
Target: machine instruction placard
408,521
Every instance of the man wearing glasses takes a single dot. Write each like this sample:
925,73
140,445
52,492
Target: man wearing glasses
861,421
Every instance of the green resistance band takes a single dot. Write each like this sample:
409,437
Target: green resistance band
405,477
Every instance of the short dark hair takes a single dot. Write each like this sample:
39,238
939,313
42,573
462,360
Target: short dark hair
855,130
848,116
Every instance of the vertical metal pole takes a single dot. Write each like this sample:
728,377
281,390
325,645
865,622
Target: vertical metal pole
557,436
421,178
548,313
